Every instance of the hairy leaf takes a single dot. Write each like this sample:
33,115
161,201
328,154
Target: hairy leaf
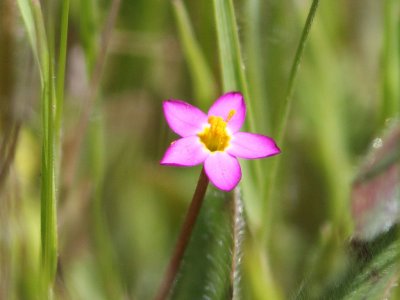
211,266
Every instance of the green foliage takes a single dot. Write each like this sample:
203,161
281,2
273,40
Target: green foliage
32,14
211,265
373,270
321,77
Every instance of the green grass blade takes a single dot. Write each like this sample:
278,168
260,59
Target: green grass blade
391,61
232,67
294,71
202,78
29,22
269,209
373,271
34,22
61,62
233,79
255,65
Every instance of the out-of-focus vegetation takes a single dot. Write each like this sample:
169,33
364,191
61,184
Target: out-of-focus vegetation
85,207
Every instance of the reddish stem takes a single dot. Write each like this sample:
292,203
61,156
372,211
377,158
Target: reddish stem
184,237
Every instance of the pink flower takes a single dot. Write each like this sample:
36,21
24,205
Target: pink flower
214,139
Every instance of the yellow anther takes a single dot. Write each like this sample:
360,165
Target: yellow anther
230,115
216,137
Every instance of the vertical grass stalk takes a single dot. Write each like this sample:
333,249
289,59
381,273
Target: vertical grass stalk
62,57
391,61
269,204
51,121
233,78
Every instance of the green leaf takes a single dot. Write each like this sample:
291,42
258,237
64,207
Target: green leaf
31,12
391,60
232,67
211,265
233,78
373,271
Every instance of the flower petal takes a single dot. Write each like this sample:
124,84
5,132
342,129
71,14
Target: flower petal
227,103
251,145
185,152
223,170
183,118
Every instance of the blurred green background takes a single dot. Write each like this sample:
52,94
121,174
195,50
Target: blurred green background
119,211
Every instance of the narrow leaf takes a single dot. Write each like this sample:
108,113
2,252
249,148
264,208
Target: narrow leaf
373,270
211,266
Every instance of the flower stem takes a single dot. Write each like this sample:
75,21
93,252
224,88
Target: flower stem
184,237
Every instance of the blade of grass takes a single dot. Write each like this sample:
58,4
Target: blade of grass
33,18
61,63
391,61
269,204
233,78
255,70
202,78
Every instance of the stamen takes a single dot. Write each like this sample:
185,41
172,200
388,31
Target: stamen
216,137
230,115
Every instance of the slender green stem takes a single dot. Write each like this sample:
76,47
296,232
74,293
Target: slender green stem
294,71
269,209
255,67
184,236
232,67
61,63
391,60
48,185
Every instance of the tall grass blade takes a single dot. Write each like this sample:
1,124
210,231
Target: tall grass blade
391,60
232,67
61,63
34,22
269,208
233,78
373,271
255,64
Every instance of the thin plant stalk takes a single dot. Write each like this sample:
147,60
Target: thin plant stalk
49,244
61,63
233,78
184,236
268,210
391,60
232,71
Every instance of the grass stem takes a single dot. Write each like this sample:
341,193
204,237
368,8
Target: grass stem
269,210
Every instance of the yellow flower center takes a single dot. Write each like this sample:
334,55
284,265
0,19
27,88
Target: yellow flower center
216,136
